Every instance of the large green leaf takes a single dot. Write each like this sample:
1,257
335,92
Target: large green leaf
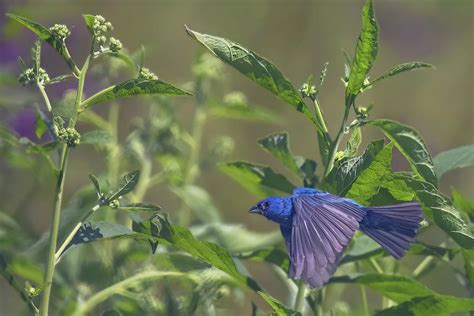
45,35
348,170
367,183
257,179
96,137
278,307
278,146
132,87
273,255
240,111
398,69
411,145
448,160
396,287
439,305
365,53
254,67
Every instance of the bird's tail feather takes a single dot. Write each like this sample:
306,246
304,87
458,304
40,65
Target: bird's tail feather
393,226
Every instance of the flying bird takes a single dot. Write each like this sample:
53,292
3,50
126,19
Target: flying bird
317,227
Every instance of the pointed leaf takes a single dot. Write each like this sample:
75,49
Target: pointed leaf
96,183
242,112
400,69
128,183
58,79
278,146
451,159
133,87
40,126
257,179
89,21
139,207
36,56
411,145
254,67
365,53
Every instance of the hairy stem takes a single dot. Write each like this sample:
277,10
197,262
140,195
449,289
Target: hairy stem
73,232
58,200
300,297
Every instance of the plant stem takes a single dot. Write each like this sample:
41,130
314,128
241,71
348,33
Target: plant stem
73,232
422,266
121,287
320,118
45,96
337,141
375,265
365,304
48,280
85,104
58,200
300,297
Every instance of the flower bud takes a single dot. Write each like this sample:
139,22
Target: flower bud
115,45
235,97
69,136
60,31
146,74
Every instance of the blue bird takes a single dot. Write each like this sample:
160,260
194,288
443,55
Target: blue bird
317,227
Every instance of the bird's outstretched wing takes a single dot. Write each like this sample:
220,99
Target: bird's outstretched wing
323,225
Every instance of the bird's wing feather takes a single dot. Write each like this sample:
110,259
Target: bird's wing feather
320,231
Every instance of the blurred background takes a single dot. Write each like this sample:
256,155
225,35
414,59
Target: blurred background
299,37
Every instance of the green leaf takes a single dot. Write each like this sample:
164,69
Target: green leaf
273,255
128,183
242,112
123,57
58,79
468,256
278,307
396,287
363,247
36,56
365,53
140,207
96,183
199,200
440,305
348,170
459,157
45,35
257,179
463,204
89,21
96,137
254,67
278,146
400,69
40,126
133,87
355,139
411,145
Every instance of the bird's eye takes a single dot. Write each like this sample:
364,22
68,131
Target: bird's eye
264,205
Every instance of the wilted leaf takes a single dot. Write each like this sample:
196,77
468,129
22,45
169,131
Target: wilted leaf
365,53
132,87
411,145
259,180
448,160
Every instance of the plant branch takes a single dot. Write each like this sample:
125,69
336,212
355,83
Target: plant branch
300,297
84,105
45,96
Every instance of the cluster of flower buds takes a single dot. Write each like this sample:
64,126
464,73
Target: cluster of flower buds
114,44
69,136
60,31
146,74
99,28
235,97
222,146
207,66
308,90
29,76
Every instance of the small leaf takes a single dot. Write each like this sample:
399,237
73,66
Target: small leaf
96,183
463,204
459,157
89,21
365,53
58,79
139,207
254,67
257,179
353,143
133,87
278,146
242,112
278,308
36,56
411,145
400,69
128,183
40,126
96,137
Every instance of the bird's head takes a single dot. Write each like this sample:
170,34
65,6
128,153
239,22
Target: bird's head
277,209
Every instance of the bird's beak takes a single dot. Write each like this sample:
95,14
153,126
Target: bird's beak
255,209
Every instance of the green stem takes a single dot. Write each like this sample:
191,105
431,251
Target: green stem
375,265
67,56
85,104
422,266
73,232
45,96
114,151
300,297
58,200
320,118
365,304
143,184
48,280
121,287
337,141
